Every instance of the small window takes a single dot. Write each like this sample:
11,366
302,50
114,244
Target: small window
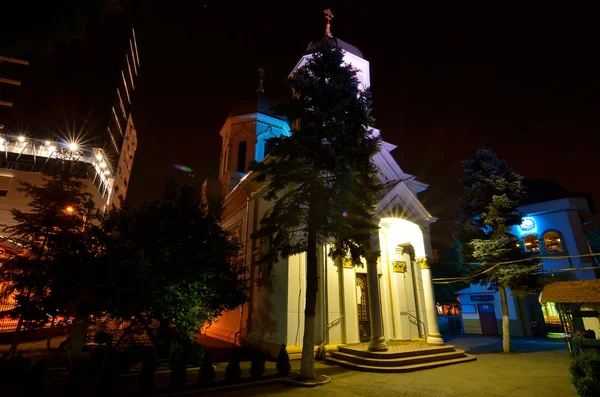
241,163
3,192
532,243
553,242
516,242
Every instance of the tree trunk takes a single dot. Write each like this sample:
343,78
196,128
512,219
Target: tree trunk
307,366
505,322
16,338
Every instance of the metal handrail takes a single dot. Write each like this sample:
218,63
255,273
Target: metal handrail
418,321
331,323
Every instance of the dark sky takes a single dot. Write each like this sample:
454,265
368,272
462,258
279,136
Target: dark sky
445,81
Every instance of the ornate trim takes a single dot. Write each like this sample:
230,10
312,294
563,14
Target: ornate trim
423,263
399,266
347,263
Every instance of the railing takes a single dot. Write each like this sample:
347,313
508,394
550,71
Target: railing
333,322
7,324
418,322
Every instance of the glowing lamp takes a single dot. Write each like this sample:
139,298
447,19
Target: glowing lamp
103,165
72,146
51,148
47,143
527,224
99,157
69,209
106,172
21,138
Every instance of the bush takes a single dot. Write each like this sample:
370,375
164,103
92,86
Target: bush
178,371
76,380
257,367
207,372
585,374
283,362
33,384
233,372
147,374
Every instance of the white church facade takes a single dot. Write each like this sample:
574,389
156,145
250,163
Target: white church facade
389,298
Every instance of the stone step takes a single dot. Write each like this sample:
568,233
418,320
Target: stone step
398,362
406,368
400,354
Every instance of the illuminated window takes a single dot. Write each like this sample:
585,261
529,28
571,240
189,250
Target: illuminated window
516,242
550,313
532,243
553,242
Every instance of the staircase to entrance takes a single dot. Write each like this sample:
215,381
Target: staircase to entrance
400,357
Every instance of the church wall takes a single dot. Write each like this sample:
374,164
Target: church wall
296,298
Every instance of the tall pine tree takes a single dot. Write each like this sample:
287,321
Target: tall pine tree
54,245
488,210
321,177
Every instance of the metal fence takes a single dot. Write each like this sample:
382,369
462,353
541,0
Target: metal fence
7,324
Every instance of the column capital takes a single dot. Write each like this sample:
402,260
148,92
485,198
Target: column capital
372,256
423,262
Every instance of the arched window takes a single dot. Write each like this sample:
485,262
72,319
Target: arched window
553,242
532,244
516,242
241,163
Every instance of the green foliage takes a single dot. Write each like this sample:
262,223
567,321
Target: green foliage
233,372
488,210
169,261
56,246
323,170
283,361
257,364
449,265
585,374
207,372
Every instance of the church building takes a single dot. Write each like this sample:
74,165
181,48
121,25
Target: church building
389,298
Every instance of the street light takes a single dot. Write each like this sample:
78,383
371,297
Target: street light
72,146
69,210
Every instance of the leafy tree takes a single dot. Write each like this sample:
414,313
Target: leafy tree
321,177
54,244
169,261
487,211
449,266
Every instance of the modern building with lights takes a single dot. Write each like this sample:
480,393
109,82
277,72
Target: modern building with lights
405,305
104,160
554,230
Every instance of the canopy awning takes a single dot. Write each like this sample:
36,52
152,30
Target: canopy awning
582,291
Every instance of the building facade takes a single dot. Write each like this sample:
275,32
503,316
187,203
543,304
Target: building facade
398,280
555,231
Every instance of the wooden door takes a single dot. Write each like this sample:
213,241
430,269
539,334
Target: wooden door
362,304
487,317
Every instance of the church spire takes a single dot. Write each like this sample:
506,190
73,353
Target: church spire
329,16
261,75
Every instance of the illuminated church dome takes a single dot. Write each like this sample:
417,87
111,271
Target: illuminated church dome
335,41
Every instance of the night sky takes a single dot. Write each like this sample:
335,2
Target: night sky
445,81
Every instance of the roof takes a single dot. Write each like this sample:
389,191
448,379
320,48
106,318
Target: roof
584,291
340,43
260,104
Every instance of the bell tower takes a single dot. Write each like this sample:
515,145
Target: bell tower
245,137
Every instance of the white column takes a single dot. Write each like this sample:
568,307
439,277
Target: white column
377,342
433,328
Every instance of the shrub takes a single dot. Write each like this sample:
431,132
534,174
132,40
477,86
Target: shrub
233,372
76,380
178,371
207,372
283,361
257,367
33,384
585,374
147,374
